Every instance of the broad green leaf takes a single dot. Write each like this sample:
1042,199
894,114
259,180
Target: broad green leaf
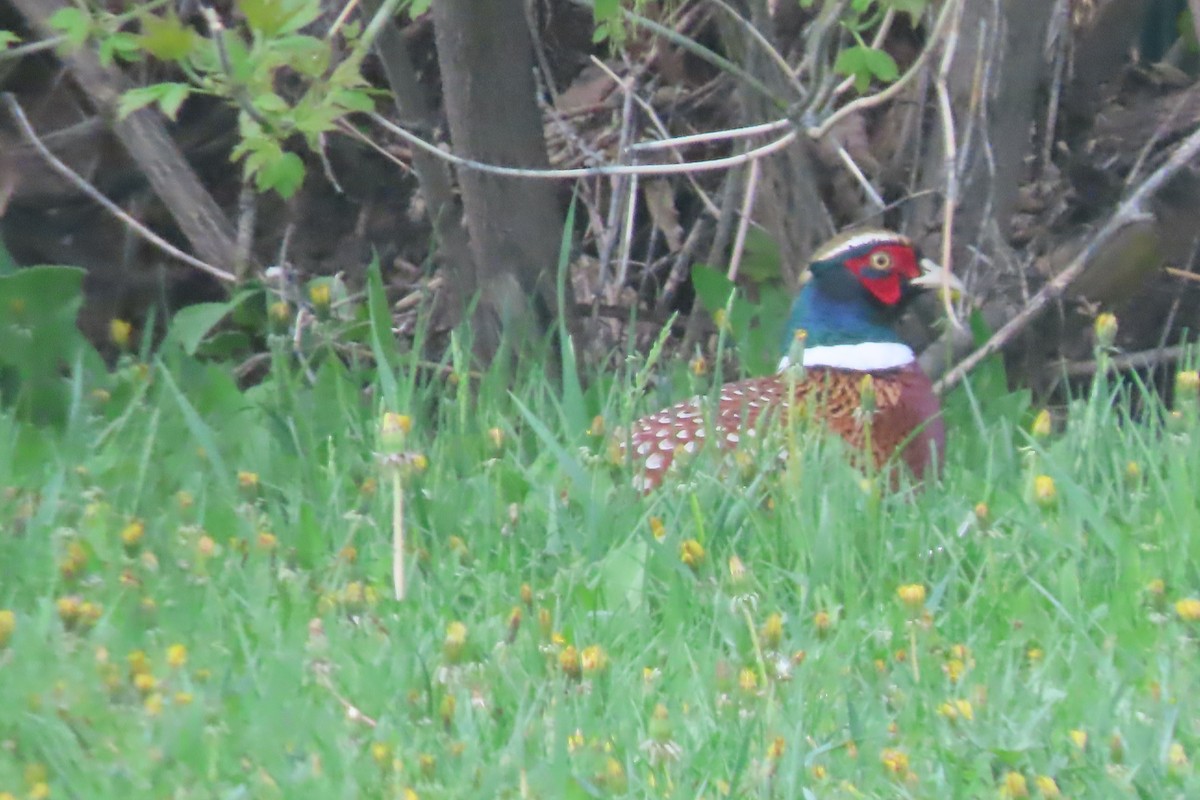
284,174
166,37
72,23
305,54
190,325
172,98
354,100
881,65
39,342
712,287
123,46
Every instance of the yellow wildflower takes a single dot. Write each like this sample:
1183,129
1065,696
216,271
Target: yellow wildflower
822,622
1106,329
737,569
1014,785
381,754
280,312
1187,384
120,331
8,624
393,429
1047,787
1041,425
455,642
132,534
568,660
593,658
320,294
772,631
1044,491
912,595
748,679
895,761
691,552
776,747
176,656
1188,609
1078,738
657,529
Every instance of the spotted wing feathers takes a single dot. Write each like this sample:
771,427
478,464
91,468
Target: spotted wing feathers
906,415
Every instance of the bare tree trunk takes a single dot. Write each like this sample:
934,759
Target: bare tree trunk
417,111
999,63
515,224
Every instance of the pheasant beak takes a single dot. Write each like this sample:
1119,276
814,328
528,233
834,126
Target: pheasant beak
935,276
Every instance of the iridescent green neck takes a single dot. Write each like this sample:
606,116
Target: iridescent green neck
829,318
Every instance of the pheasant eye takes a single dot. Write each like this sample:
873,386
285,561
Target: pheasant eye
881,260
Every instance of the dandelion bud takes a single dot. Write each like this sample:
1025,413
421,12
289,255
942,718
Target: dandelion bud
1041,425
1106,329
393,429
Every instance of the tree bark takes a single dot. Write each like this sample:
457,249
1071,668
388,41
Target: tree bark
998,65
515,224
417,111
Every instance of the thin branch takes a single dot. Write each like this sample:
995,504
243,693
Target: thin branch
695,48
713,136
1128,212
756,35
14,108
1175,272
586,172
1125,361
864,103
854,170
739,239
950,146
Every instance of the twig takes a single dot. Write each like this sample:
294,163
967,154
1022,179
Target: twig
1125,361
1128,212
236,88
585,172
612,229
341,18
1175,272
750,28
864,103
739,239
693,47
14,108
950,147
854,170
713,136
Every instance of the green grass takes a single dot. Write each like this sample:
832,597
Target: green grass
796,678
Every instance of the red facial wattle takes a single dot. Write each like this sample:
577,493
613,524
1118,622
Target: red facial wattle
885,283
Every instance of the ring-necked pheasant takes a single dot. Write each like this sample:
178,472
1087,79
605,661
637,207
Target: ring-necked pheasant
844,316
